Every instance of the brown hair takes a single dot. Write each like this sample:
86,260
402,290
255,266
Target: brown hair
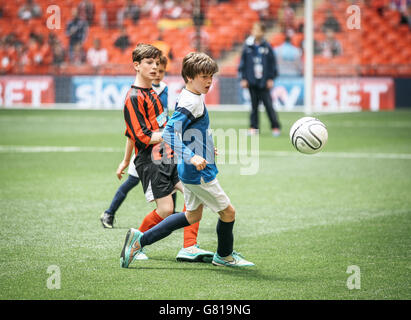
196,63
163,61
259,25
145,51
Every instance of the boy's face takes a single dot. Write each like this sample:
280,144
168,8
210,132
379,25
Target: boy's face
161,71
201,83
147,68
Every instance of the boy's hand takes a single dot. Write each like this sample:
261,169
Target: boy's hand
156,137
121,167
270,83
244,83
199,162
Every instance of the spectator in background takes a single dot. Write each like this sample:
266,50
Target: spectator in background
203,41
330,47
400,5
153,9
406,17
108,15
38,53
13,53
177,9
288,58
29,10
257,70
331,23
287,18
97,56
262,7
86,11
379,5
130,11
76,30
12,41
164,47
123,41
57,50
8,57
78,56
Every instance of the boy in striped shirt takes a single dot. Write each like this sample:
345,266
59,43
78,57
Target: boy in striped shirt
107,218
188,134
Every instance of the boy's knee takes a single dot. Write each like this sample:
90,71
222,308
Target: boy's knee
165,211
193,217
228,214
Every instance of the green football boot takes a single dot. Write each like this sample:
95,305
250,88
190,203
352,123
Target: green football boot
131,247
235,260
194,254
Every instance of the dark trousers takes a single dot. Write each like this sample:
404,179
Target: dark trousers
262,94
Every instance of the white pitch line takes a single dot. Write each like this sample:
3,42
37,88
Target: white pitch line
39,149
265,153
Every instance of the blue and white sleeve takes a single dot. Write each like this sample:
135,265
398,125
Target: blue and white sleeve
173,135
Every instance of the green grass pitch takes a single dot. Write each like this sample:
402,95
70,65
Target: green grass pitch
303,220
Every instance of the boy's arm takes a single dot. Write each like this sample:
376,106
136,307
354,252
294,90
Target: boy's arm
242,66
126,160
173,134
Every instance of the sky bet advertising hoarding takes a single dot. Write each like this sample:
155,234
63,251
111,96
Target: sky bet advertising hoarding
329,94
332,94
108,92
31,91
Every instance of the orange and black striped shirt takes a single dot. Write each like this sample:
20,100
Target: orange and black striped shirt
144,114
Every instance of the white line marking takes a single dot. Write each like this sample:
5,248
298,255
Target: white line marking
265,153
39,149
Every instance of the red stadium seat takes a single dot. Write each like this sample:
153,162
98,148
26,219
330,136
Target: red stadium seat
277,39
380,42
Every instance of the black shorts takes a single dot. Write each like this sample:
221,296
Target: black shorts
158,180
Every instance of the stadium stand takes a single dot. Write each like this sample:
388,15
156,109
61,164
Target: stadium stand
28,46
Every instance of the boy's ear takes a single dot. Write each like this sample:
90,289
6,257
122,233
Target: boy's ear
136,65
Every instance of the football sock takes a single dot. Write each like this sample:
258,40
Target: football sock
190,235
164,228
121,194
150,221
225,238
116,202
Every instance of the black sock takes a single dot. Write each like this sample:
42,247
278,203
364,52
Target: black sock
225,238
164,228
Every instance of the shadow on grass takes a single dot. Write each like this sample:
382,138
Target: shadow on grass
245,273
